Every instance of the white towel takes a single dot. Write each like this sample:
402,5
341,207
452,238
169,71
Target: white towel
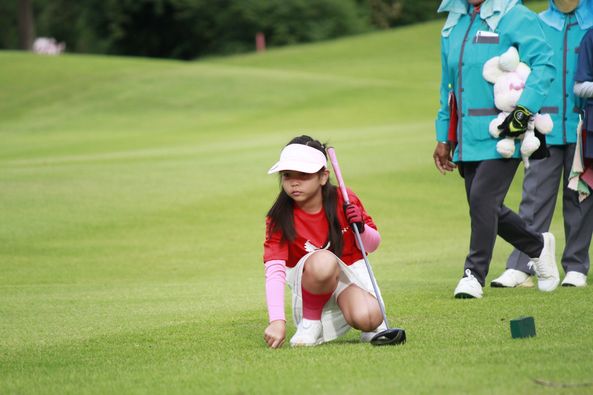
574,179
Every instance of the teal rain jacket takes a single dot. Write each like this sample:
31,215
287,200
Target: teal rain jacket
465,47
564,33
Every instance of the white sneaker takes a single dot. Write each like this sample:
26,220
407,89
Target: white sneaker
468,287
309,333
512,278
366,337
574,279
545,267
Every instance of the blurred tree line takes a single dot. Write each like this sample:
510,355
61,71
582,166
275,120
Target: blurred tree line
187,29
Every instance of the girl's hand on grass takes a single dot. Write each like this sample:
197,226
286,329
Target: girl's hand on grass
275,333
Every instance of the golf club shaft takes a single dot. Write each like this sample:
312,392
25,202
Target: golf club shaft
334,160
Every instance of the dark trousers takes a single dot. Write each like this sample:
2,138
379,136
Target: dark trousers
486,185
540,190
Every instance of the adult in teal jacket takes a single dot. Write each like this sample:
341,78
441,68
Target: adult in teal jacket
474,32
564,23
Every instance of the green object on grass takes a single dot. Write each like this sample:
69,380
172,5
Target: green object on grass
522,327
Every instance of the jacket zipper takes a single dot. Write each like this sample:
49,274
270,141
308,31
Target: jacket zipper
565,44
460,78
564,66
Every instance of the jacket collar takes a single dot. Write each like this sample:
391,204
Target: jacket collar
556,19
491,11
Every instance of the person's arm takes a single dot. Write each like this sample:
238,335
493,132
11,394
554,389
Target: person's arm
584,89
442,152
357,216
370,239
275,333
442,120
583,76
528,37
275,256
275,280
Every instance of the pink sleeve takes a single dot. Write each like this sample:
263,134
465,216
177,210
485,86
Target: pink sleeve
275,280
370,238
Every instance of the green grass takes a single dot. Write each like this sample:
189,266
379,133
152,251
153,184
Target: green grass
132,199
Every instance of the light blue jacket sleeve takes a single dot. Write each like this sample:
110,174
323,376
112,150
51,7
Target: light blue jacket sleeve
526,34
442,121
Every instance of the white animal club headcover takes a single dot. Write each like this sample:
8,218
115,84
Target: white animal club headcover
509,76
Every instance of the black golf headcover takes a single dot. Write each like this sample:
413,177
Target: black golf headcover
542,152
515,124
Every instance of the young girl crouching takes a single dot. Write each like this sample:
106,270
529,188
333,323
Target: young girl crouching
310,245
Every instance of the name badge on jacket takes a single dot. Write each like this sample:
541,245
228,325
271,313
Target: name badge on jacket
484,37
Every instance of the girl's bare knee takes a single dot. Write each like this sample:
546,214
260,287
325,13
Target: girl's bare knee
322,266
367,316
366,323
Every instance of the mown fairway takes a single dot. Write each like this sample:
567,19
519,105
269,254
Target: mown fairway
132,199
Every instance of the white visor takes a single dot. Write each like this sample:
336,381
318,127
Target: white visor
299,157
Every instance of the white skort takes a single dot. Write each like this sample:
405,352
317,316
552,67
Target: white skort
332,319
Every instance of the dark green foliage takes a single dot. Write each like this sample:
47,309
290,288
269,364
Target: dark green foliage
388,13
413,11
187,29
83,26
9,25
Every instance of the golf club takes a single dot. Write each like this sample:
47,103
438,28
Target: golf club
389,335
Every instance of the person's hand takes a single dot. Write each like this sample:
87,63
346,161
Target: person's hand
515,124
354,216
442,158
275,334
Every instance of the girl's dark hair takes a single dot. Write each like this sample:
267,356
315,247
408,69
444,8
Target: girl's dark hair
281,214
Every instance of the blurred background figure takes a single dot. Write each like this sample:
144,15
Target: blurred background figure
48,46
564,23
